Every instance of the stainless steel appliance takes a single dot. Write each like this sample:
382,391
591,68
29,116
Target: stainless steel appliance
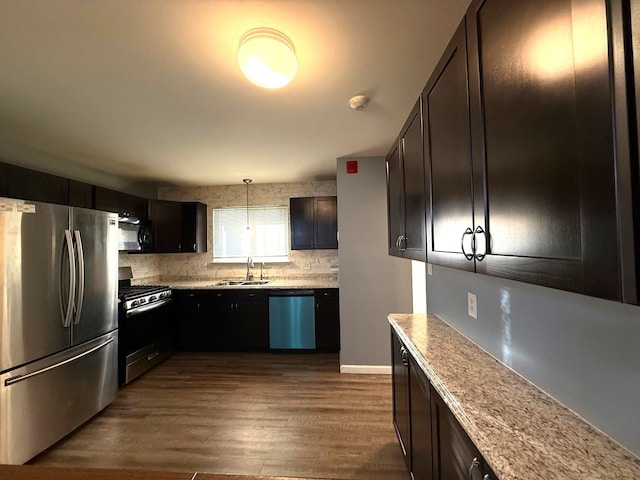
292,323
134,235
144,323
58,322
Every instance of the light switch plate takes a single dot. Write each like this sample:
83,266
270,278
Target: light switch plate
472,305
429,269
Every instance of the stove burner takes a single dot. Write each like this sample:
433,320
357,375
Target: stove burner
134,296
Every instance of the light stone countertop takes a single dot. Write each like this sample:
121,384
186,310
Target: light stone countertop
276,284
522,432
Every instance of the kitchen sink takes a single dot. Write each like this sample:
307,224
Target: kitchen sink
240,283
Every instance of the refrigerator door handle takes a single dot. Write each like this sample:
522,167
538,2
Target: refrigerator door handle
20,378
67,311
80,252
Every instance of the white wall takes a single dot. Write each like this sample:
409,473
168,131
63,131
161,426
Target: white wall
372,283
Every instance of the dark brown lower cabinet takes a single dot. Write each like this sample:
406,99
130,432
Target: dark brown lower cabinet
420,424
400,382
433,442
327,320
222,320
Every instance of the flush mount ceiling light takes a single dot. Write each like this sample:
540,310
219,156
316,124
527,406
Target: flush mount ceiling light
267,58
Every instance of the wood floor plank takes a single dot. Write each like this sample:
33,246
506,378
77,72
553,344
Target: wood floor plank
290,415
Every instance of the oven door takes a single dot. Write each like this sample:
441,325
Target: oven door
145,339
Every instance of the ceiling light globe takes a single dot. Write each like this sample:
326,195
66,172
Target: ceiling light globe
267,58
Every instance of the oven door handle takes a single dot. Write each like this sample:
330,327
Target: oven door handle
146,308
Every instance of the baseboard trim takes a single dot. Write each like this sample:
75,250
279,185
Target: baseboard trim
366,369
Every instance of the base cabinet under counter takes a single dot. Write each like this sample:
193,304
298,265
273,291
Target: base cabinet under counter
434,444
238,319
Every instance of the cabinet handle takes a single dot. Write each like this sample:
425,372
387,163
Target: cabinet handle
403,242
398,241
479,231
486,477
404,355
194,247
474,464
468,256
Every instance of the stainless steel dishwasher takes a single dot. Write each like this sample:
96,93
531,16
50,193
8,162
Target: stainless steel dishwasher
292,322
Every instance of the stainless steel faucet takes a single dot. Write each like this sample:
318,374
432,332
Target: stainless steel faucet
261,269
249,265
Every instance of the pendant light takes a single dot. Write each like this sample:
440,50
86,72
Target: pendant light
247,181
267,58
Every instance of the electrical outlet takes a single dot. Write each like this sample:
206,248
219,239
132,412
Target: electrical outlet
429,269
472,305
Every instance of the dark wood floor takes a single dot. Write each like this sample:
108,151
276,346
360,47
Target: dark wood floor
254,414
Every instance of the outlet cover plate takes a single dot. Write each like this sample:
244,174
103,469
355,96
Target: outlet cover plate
472,305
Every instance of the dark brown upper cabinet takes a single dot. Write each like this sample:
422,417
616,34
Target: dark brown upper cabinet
406,190
28,184
314,223
523,154
81,194
178,227
124,204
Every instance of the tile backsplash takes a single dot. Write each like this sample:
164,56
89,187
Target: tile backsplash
302,263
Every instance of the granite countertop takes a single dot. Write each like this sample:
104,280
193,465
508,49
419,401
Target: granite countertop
521,431
280,283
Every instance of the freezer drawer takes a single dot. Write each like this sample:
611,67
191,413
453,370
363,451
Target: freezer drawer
292,323
45,400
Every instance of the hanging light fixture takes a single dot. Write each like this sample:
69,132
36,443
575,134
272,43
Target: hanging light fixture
267,58
247,181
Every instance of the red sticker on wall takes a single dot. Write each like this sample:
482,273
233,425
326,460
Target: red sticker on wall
352,166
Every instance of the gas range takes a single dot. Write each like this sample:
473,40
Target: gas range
135,296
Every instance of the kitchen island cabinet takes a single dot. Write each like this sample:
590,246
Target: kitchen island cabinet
518,430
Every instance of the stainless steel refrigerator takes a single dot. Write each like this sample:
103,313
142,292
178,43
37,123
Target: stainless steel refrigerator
58,322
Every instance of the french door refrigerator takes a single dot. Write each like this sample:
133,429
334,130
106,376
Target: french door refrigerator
58,322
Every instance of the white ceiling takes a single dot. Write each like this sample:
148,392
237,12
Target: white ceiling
150,89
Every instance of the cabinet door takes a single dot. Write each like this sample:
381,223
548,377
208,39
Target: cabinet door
81,194
448,158
252,320
166,221
194,227
218,324
325,229
455,455
412,152
134,206
107,200
421,435
542,137
189,324
3,180
327,320
401,409
395,200
32,185
301,217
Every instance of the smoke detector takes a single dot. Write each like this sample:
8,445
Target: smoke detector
359,102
